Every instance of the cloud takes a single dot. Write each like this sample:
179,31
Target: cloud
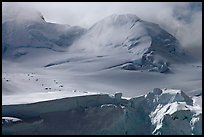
182,19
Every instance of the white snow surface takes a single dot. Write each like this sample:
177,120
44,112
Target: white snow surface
9,119
44,61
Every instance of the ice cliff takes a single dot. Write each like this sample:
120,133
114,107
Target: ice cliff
161,111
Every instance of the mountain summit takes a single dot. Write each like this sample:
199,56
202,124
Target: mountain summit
150,45
20,14
25,30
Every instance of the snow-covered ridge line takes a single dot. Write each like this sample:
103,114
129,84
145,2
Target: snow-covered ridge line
158,112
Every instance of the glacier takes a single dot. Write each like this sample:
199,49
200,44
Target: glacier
62,79
161,111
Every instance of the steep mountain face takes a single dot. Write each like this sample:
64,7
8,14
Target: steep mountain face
151,47
24,29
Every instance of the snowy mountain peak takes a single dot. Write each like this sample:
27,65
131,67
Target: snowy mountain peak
150,47
130,32
121,19
20,14
115,20
24,30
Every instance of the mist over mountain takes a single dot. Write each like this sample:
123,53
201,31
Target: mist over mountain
24,29
123,75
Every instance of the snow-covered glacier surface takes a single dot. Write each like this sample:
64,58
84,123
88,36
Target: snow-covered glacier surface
59,79
160,112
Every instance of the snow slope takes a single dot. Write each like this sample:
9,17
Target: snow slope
103,56
44,63
105,62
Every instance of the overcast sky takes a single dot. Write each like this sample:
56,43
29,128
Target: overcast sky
182,19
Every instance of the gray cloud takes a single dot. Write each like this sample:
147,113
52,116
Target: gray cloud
182,19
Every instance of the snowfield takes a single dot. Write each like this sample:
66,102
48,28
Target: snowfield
122,76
